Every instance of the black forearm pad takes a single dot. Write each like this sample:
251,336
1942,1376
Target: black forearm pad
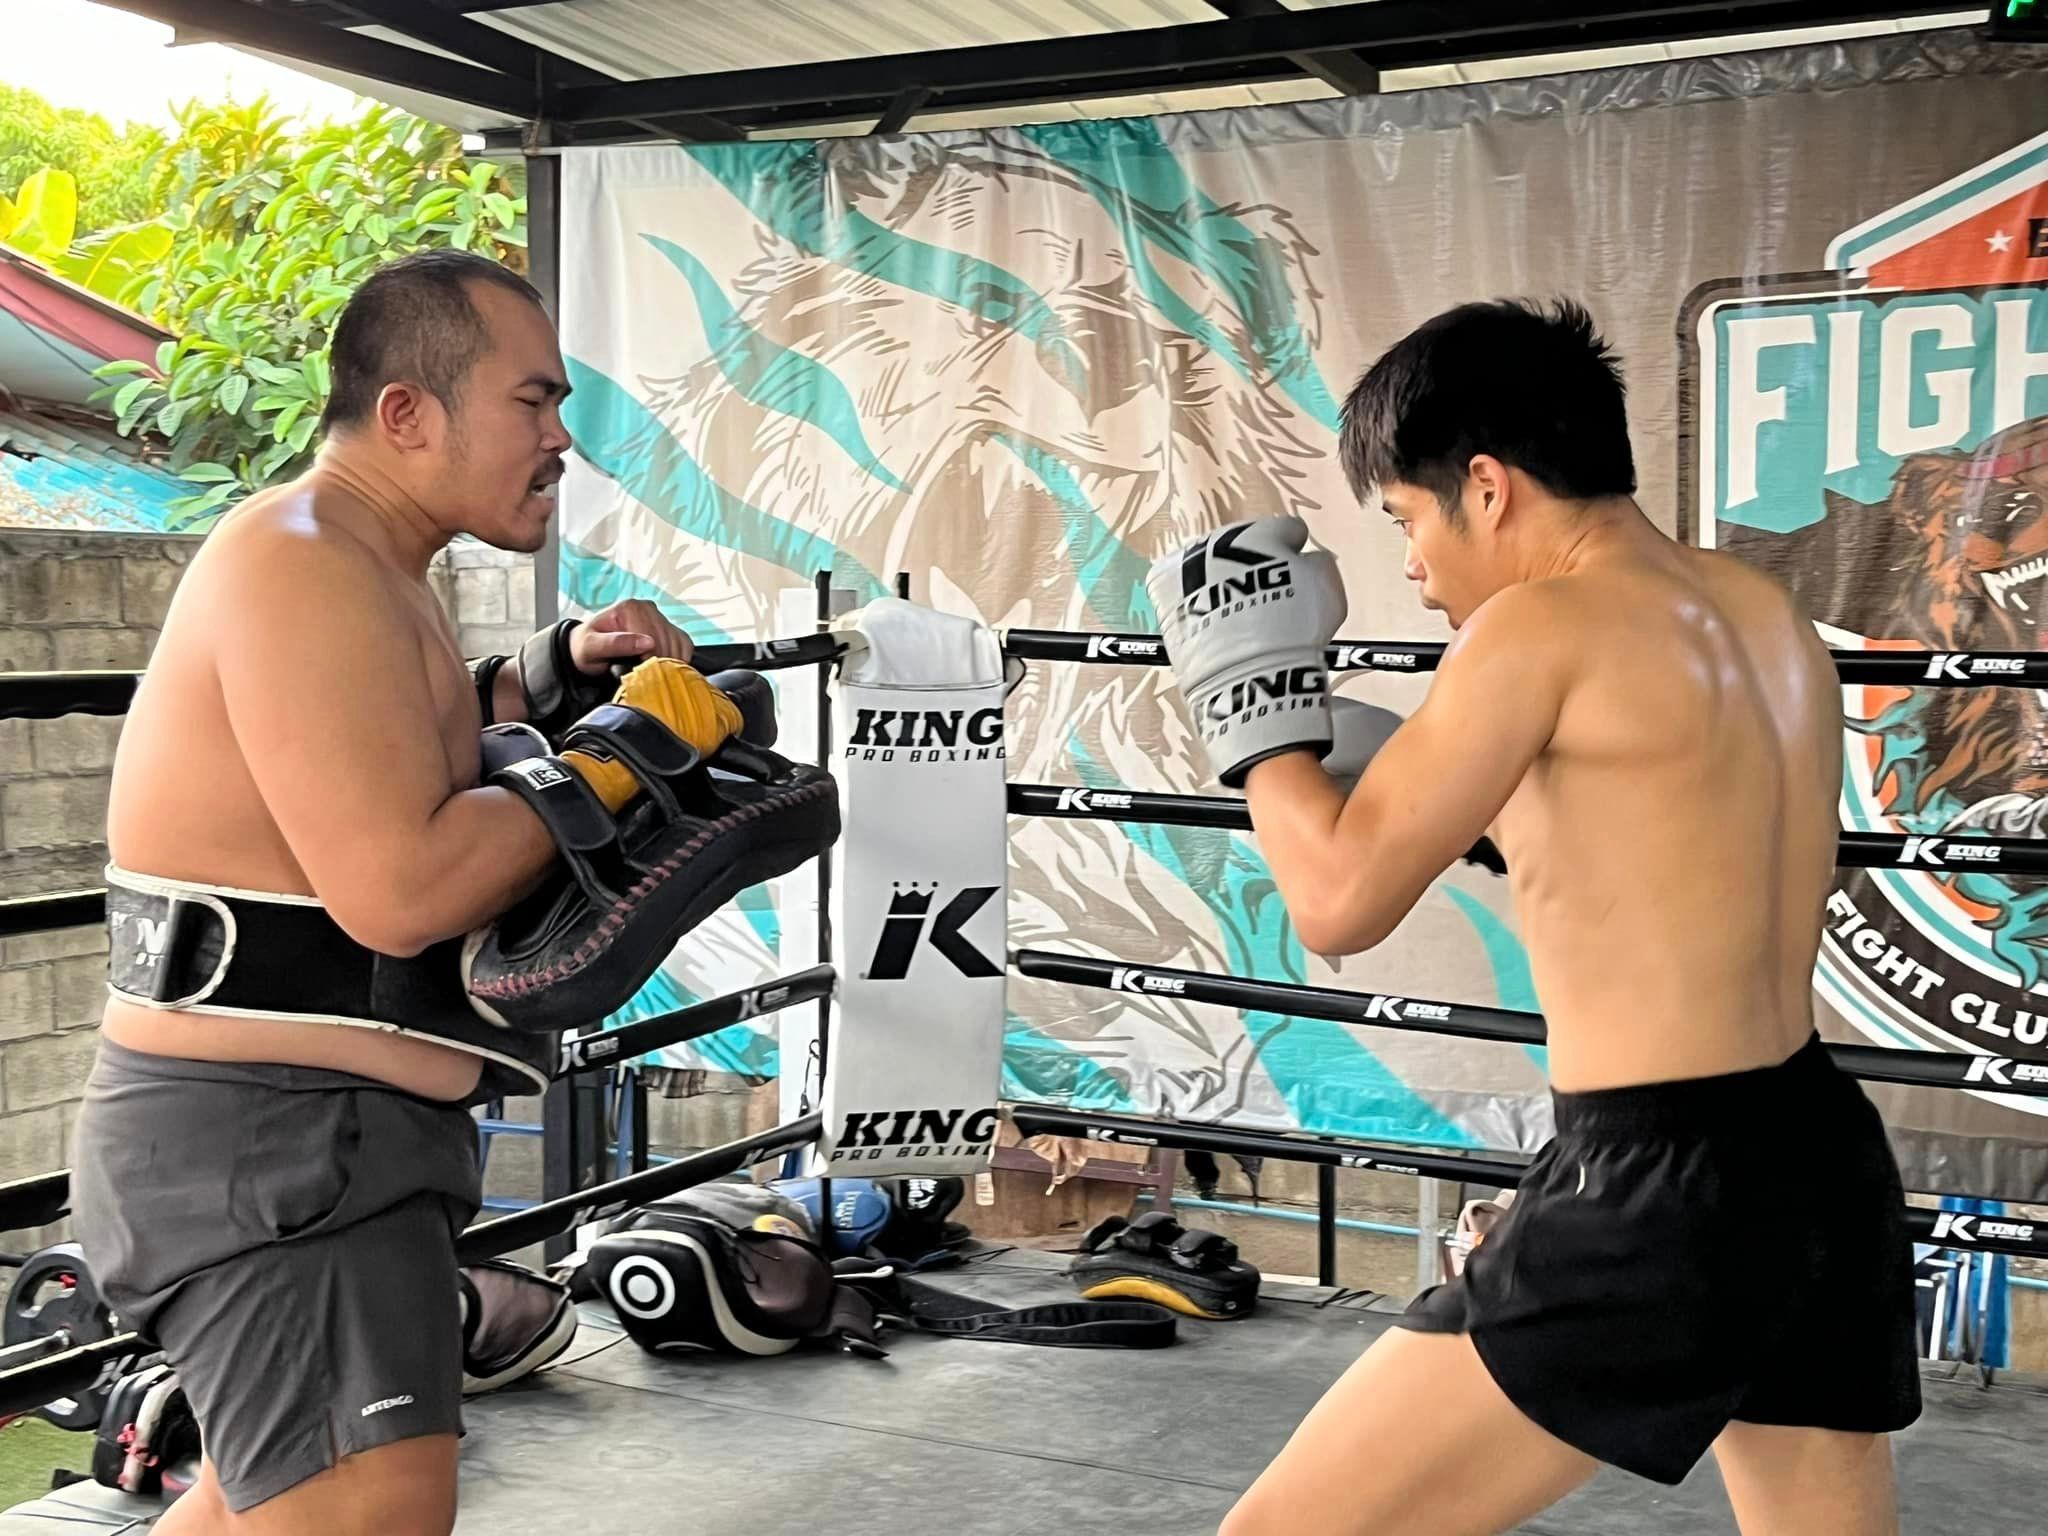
557,693
756,699
483,671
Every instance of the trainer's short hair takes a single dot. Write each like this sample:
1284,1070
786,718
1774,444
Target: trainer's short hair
412,321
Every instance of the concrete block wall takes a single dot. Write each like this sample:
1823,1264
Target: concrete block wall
87,601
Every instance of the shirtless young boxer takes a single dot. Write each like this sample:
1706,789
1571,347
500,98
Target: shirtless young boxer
1652,735
275,1200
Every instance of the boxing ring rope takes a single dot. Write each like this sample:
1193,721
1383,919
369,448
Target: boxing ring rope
1471,1021
1946,1229
1898,669
1856,850
1929,1069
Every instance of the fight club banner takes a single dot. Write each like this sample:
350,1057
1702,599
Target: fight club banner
1017,364
1875,434
918,906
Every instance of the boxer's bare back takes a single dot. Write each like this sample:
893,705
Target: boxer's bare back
307,723
1652,736
1671,845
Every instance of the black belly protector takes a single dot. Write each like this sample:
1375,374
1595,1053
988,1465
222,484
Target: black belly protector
189,948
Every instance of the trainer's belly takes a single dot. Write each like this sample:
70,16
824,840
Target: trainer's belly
414,1066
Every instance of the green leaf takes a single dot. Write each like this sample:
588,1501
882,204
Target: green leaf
125,400
207,474
287,419
271,373
322,307
317,377
480,177
378,228
129,411
302,434
353,217
515,237
500,207
121,365
435,203
45,214
172,416
214,497
268,462
163,356
319,169
276,402
233,393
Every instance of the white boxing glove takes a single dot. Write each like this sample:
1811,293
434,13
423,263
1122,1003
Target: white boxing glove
1247,616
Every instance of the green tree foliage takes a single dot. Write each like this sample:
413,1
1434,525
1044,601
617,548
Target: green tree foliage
110,171
41,221
271,228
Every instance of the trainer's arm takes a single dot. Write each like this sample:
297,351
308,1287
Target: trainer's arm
1350,869
327,691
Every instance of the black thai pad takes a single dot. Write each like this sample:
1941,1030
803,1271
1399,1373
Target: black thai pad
580,947
1154,1259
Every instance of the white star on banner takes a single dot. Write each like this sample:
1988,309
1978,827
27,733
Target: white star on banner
2000,242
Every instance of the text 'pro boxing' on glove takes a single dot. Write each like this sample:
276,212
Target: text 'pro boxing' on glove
1247,615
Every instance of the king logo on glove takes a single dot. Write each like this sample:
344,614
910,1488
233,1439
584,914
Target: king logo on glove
1207,586
1246,613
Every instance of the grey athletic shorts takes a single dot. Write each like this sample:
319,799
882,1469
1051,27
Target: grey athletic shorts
287,1235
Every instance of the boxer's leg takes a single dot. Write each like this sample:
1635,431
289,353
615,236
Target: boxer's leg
1791,1482
1415,1438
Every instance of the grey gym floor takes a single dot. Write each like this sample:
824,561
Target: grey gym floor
971,1439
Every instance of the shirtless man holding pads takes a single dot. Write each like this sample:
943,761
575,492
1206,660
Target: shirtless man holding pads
273,1192
1651,734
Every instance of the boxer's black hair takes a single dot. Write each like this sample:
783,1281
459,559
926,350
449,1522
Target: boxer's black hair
1533,386
412,321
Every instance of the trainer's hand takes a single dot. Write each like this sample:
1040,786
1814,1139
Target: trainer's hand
626,632
1246,614
678,696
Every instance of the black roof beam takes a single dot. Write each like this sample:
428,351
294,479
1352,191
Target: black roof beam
295,37
487,46
1344,70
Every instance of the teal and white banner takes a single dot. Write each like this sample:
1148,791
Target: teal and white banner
1019,363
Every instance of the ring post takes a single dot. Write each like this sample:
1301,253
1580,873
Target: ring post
1326,1225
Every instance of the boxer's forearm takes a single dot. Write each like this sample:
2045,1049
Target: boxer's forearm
1297,810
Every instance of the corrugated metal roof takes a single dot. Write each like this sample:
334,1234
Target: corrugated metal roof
647,39
72,472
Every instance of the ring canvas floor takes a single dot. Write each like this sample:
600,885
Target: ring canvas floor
973,1439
